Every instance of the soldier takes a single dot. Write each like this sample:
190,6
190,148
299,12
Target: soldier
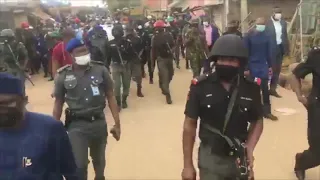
174,30
184,31
85,86
309,158
14,55
162,54
137,47
146,40
119,54
226,103
196,46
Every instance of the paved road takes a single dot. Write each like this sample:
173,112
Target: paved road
150,146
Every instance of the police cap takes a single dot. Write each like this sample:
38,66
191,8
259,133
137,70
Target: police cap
7,33
229,45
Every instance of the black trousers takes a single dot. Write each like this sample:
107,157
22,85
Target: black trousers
310,158
146,59
276,67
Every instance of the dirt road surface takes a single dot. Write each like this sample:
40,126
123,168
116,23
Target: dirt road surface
150,146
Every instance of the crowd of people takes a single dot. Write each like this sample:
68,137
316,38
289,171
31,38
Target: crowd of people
92,64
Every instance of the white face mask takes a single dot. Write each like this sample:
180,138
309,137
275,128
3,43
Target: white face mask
277,16
139,27
83,60
206,23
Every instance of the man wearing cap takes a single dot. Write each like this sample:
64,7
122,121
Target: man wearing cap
32,145
85,86
60,57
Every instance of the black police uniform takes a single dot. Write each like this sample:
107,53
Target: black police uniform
137,48
119,55
145,35
208,100
311,158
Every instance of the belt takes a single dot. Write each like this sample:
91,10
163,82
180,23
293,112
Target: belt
87,118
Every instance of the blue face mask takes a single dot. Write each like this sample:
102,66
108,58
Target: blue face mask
260,28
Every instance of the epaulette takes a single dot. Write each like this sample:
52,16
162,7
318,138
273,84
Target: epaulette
199,79
97,63
68,66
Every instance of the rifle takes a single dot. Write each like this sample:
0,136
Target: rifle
5,43
120,56
170,51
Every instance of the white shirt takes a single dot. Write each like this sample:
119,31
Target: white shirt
278,30
108,29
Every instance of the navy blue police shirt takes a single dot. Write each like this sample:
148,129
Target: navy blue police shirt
39,150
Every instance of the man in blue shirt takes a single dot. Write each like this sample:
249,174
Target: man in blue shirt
32,146
259,46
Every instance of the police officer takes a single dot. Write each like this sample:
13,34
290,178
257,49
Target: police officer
85,86
196,46
226,103
161,53
119,55
136,44
184,31
309,158
146,35
14,55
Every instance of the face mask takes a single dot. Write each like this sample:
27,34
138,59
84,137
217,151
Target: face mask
260,28
10,118
83,60
277,16
226,73
139,27
206,23
116,21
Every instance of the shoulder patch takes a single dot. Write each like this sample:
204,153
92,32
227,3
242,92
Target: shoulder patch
68,66
97,62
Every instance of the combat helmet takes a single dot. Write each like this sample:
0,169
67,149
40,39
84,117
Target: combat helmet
229,45
7,33
117,31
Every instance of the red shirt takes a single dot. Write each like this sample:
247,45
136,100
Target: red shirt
61,55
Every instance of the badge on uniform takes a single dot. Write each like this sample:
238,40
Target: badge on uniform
95,90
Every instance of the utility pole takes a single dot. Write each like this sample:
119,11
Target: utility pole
244,14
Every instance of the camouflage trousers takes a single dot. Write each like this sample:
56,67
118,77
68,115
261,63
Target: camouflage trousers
121,75
196,61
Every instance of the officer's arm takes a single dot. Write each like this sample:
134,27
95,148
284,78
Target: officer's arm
191,112
301,71
108,55
108,84
60,153
256,120
58,93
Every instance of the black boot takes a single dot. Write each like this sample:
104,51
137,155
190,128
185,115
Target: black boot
139,90
118,98
124,102
177,65
168,99
267,113
150,78
300,174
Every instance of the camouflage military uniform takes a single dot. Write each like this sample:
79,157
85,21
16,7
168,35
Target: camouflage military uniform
195,51
11,64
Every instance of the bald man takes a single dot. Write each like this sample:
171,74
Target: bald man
259,65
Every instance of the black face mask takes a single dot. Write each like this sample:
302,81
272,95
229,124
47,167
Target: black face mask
10,117
226,73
